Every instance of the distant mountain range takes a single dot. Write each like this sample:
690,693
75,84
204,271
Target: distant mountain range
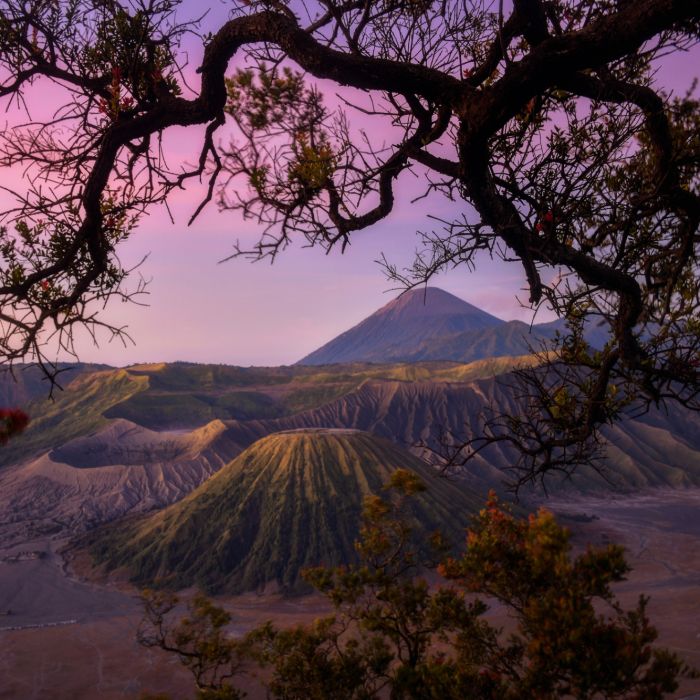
431,324
211,446
124,441
290,501
121,441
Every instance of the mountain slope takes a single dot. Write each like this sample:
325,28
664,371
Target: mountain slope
658,449
509,338
74,468
184,395
26,382
78,410
412,328
121,468
290,501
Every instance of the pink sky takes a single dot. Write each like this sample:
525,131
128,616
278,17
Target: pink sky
242,313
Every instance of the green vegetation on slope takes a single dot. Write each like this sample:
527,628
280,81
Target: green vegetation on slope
22,383
188,395
160,411
290,501
76,411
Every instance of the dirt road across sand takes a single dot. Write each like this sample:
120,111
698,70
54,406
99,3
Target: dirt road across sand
96,657
34,590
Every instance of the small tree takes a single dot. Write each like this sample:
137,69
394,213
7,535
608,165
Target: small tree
393,632
573,638
199,639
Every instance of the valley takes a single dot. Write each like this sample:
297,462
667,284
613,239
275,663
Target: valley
660,538
83,462
234,479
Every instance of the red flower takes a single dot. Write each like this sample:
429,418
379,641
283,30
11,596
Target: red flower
549,217
45,285
468,72
14,421
538,226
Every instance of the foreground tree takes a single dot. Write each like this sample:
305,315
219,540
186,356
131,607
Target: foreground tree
199,640
544,121
393,633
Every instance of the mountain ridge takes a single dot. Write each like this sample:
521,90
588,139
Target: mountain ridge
121,468
72,475
415,415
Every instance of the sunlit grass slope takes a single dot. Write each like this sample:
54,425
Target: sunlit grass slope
23,383
290,501
182,395
76,411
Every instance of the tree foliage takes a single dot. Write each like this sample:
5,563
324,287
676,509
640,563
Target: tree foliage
394,635
546,122
199,640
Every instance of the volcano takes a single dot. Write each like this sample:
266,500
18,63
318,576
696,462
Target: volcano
425,325
291,500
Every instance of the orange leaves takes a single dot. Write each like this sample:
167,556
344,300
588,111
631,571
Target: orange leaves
507,556
405,482
116,104
545,222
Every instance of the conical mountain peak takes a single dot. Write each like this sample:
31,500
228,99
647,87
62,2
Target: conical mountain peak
433,302
291,500
425,324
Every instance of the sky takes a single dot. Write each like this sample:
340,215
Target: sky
245,313
236,312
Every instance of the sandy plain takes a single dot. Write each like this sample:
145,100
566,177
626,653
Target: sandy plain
74,639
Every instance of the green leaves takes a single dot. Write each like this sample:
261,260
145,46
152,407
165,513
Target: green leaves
287,155
33,258
199,639
314,662
313,164
265,98
124,44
